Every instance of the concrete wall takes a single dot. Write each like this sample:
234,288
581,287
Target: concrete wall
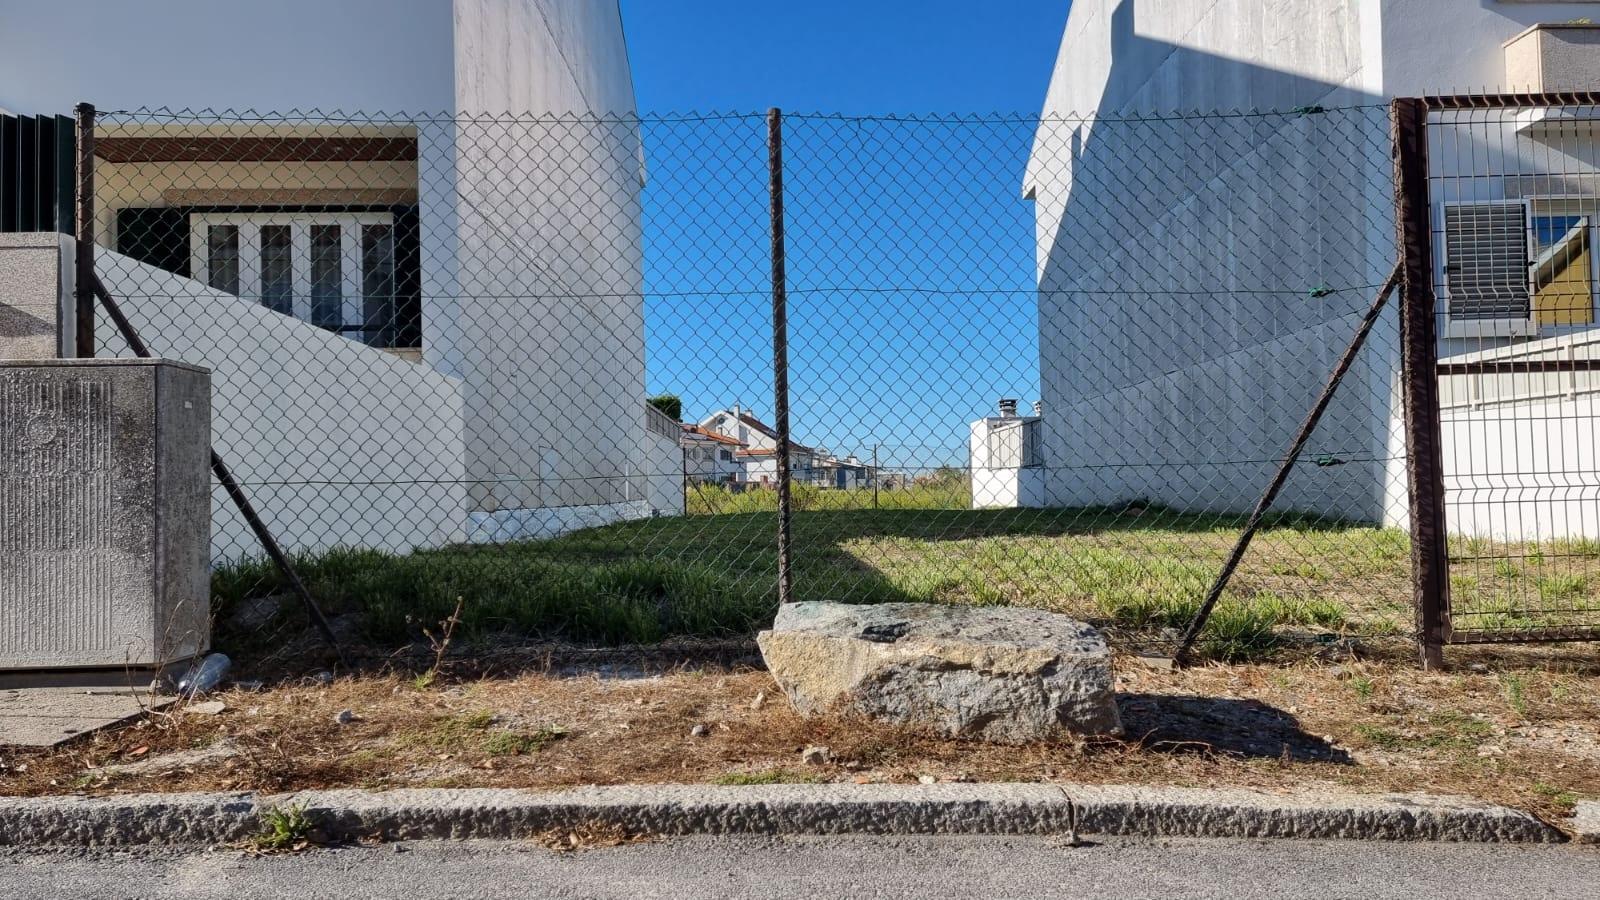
336,443
1180,342
1445,46
289,54
35,276
1523,470
531,267
548,307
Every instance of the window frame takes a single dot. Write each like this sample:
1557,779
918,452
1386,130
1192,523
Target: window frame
1483,328
352,224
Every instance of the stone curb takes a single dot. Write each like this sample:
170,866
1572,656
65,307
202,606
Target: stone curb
1586,822
771,809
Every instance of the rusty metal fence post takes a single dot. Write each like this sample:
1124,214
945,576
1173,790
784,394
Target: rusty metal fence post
780,353
83,288
1430,555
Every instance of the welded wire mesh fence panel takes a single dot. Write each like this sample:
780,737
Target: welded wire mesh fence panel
1514,193
523,366
431,371
1070,353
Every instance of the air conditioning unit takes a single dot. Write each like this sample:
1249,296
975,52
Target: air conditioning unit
105,513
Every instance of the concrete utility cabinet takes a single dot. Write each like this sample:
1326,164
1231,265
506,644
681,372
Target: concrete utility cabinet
105,513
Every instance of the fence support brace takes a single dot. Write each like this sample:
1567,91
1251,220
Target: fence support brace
1419,377
1285,467
780,352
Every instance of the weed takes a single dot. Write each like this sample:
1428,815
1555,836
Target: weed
517,743
1362,686
283,828
1381,738
769,776
1566,586
1516,690
1557,795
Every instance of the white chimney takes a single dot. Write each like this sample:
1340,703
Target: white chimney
1038,407
1008,408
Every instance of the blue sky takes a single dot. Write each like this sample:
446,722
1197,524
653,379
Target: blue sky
910,249
845,56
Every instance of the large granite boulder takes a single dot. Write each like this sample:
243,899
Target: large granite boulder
997,673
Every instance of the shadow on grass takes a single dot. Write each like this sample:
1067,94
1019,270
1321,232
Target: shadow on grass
1241,728
651,580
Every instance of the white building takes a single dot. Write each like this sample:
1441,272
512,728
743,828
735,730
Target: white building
407,297
1183,335
710,457
1004,456
759,458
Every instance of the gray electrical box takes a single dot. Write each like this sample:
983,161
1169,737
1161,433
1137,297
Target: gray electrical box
105,513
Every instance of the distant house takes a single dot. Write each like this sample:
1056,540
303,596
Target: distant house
710,457
759,459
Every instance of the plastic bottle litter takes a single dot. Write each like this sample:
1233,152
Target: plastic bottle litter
204,676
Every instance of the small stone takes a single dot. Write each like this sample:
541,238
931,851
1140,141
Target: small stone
208,708
1478,667
699,731
323,677
760,698
927,779
815,756
345,717
1489,750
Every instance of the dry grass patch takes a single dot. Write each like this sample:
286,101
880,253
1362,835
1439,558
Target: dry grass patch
1521,729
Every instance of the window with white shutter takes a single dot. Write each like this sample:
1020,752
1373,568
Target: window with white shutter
1486,264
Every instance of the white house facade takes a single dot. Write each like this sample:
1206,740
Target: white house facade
1184,329
449,241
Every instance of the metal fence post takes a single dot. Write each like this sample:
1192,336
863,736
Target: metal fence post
1430,554
780,352
83,290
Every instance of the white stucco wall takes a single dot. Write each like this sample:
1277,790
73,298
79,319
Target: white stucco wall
335,443
547,298
1177,256
1522,471
531,267
1450,46
288,54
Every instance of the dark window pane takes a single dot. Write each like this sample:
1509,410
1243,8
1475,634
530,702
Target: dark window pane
277,269
327,277
377,284
222,258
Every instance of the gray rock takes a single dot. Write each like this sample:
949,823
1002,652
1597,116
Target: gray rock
998,673
699,731
344,717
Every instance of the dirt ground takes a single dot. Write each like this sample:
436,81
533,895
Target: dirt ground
1518,727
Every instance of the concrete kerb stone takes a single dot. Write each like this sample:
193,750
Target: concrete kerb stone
209,819
1586,822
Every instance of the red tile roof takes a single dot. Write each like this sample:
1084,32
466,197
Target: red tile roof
708,434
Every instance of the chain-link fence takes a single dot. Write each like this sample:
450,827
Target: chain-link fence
521,373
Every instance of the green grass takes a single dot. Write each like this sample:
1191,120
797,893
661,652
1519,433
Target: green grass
283,828
518,743
1141,570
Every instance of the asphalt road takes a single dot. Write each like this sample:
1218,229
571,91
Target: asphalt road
706,867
